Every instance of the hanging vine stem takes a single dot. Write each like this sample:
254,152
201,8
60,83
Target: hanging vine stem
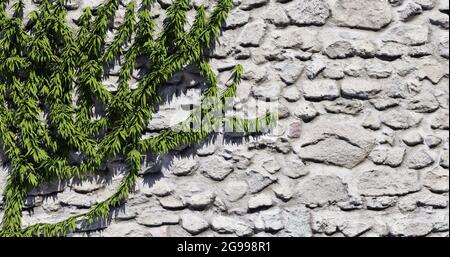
44,65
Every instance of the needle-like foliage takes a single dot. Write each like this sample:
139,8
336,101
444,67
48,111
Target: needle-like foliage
44,63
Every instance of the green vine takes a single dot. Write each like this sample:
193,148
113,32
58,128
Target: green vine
44,63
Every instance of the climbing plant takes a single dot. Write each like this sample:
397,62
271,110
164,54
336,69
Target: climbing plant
45,65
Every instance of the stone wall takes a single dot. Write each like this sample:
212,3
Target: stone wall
362,148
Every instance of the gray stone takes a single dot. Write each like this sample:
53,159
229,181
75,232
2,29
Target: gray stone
409,10
426,4
380,203
294,167
423,198
269,221
201,201
412,138
251,4
235,190
321,191
172,203
193,223
277,16
162,188
372,121
399,119
382,155
227,225
440,120
289,71
419,159
371,15
432,141
436,180
291,94
319,90
260,201
340,50
411,225
341,144
237,18
252,33
329,222
296,219
183,166
423,103
407,34
345,106
258,180
72,4
151,164
388,182
215,167
306,111
155,218
308,12
360,88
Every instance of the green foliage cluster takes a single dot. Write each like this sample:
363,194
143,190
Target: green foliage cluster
44,63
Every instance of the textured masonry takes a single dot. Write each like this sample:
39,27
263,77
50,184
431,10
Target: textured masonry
362,144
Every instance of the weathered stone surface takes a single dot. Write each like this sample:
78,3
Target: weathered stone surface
388,182
237,18
201,201
223,224
319,90
252,33
269,221
380,203
215,167
436,180
260,201
258,180
193,223
360,88
235,190
289,71
407,34
297,220
329,222
306,111
321,190
154,218
251,4
345,106
183,167
423,103
399,119
340,50
409,10
387,156
308,12
372,15
412,138
419,159
342,144
423,198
